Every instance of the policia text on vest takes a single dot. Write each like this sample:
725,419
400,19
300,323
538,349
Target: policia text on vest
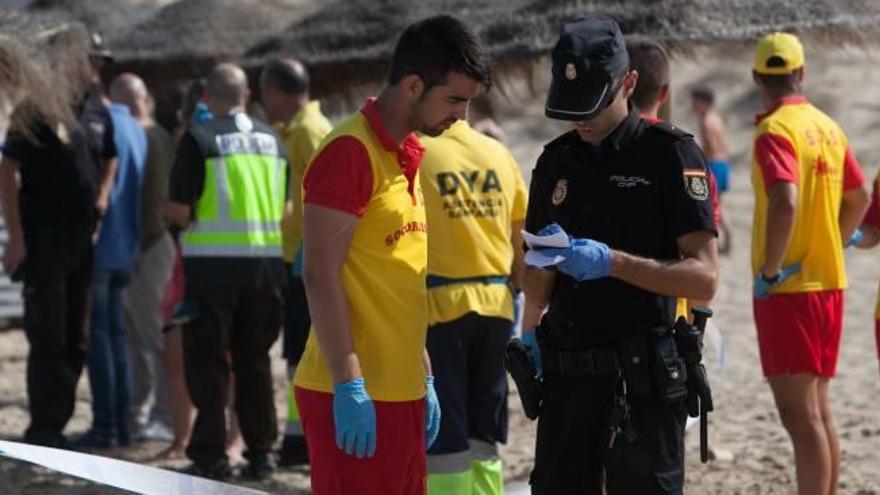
239,225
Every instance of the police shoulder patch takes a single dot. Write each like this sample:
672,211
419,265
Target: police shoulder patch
696,184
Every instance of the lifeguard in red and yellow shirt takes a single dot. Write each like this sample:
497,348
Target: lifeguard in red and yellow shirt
809,199
870,237
364,386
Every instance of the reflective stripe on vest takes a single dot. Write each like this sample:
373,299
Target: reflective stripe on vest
240,209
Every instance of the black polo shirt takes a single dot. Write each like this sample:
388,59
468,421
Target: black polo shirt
57,187
638,191
56,199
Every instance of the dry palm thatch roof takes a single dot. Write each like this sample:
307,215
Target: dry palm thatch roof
28,27
103,16
362,33
203,29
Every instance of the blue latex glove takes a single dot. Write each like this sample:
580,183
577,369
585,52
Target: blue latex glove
355,418
528,338
762,286
585,259
551,229
201,114
855,238
432,413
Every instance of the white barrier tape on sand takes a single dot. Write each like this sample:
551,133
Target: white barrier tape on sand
120,474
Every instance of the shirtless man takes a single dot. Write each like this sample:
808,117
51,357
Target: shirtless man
714,146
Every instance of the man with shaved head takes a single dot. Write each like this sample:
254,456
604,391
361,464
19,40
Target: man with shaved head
143,296
228,189
117,246
284,87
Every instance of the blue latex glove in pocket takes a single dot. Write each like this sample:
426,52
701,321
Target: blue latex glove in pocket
432,413
763,286
585,259
528,338
355,418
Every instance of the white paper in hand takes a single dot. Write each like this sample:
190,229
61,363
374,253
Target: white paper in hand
536,242
557,240
541,260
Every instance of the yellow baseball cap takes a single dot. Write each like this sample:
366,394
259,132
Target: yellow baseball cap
784,46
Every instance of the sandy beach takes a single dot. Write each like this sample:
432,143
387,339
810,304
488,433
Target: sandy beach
843,82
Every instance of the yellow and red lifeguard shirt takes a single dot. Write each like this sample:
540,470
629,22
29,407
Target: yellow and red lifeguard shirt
474,191
872,217
797,143
360,169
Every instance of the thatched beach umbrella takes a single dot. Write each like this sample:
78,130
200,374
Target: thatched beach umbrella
197,30
27,27
350,41
100,15
184,39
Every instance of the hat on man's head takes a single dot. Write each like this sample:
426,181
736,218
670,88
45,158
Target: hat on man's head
588,56
97,48
778,54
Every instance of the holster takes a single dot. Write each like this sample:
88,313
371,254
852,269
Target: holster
652,366
519,364
670,373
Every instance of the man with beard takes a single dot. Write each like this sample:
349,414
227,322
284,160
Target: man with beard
365,379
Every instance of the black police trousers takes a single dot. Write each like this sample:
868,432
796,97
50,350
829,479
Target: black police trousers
57,276
571,456
232,333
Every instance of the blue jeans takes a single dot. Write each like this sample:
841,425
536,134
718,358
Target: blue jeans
108,358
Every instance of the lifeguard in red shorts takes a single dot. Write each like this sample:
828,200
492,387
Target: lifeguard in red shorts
364,386
809,199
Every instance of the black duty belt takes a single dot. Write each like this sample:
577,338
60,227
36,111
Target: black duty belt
580,363
438,281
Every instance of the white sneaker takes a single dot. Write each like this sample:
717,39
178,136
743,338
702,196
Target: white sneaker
156,430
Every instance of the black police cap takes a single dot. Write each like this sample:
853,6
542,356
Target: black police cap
589,54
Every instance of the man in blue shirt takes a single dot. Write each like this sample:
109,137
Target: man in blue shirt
117,245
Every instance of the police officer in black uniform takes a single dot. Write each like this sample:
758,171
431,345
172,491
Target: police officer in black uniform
634,199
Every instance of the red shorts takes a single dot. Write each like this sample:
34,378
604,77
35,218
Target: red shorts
799,333
398,468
